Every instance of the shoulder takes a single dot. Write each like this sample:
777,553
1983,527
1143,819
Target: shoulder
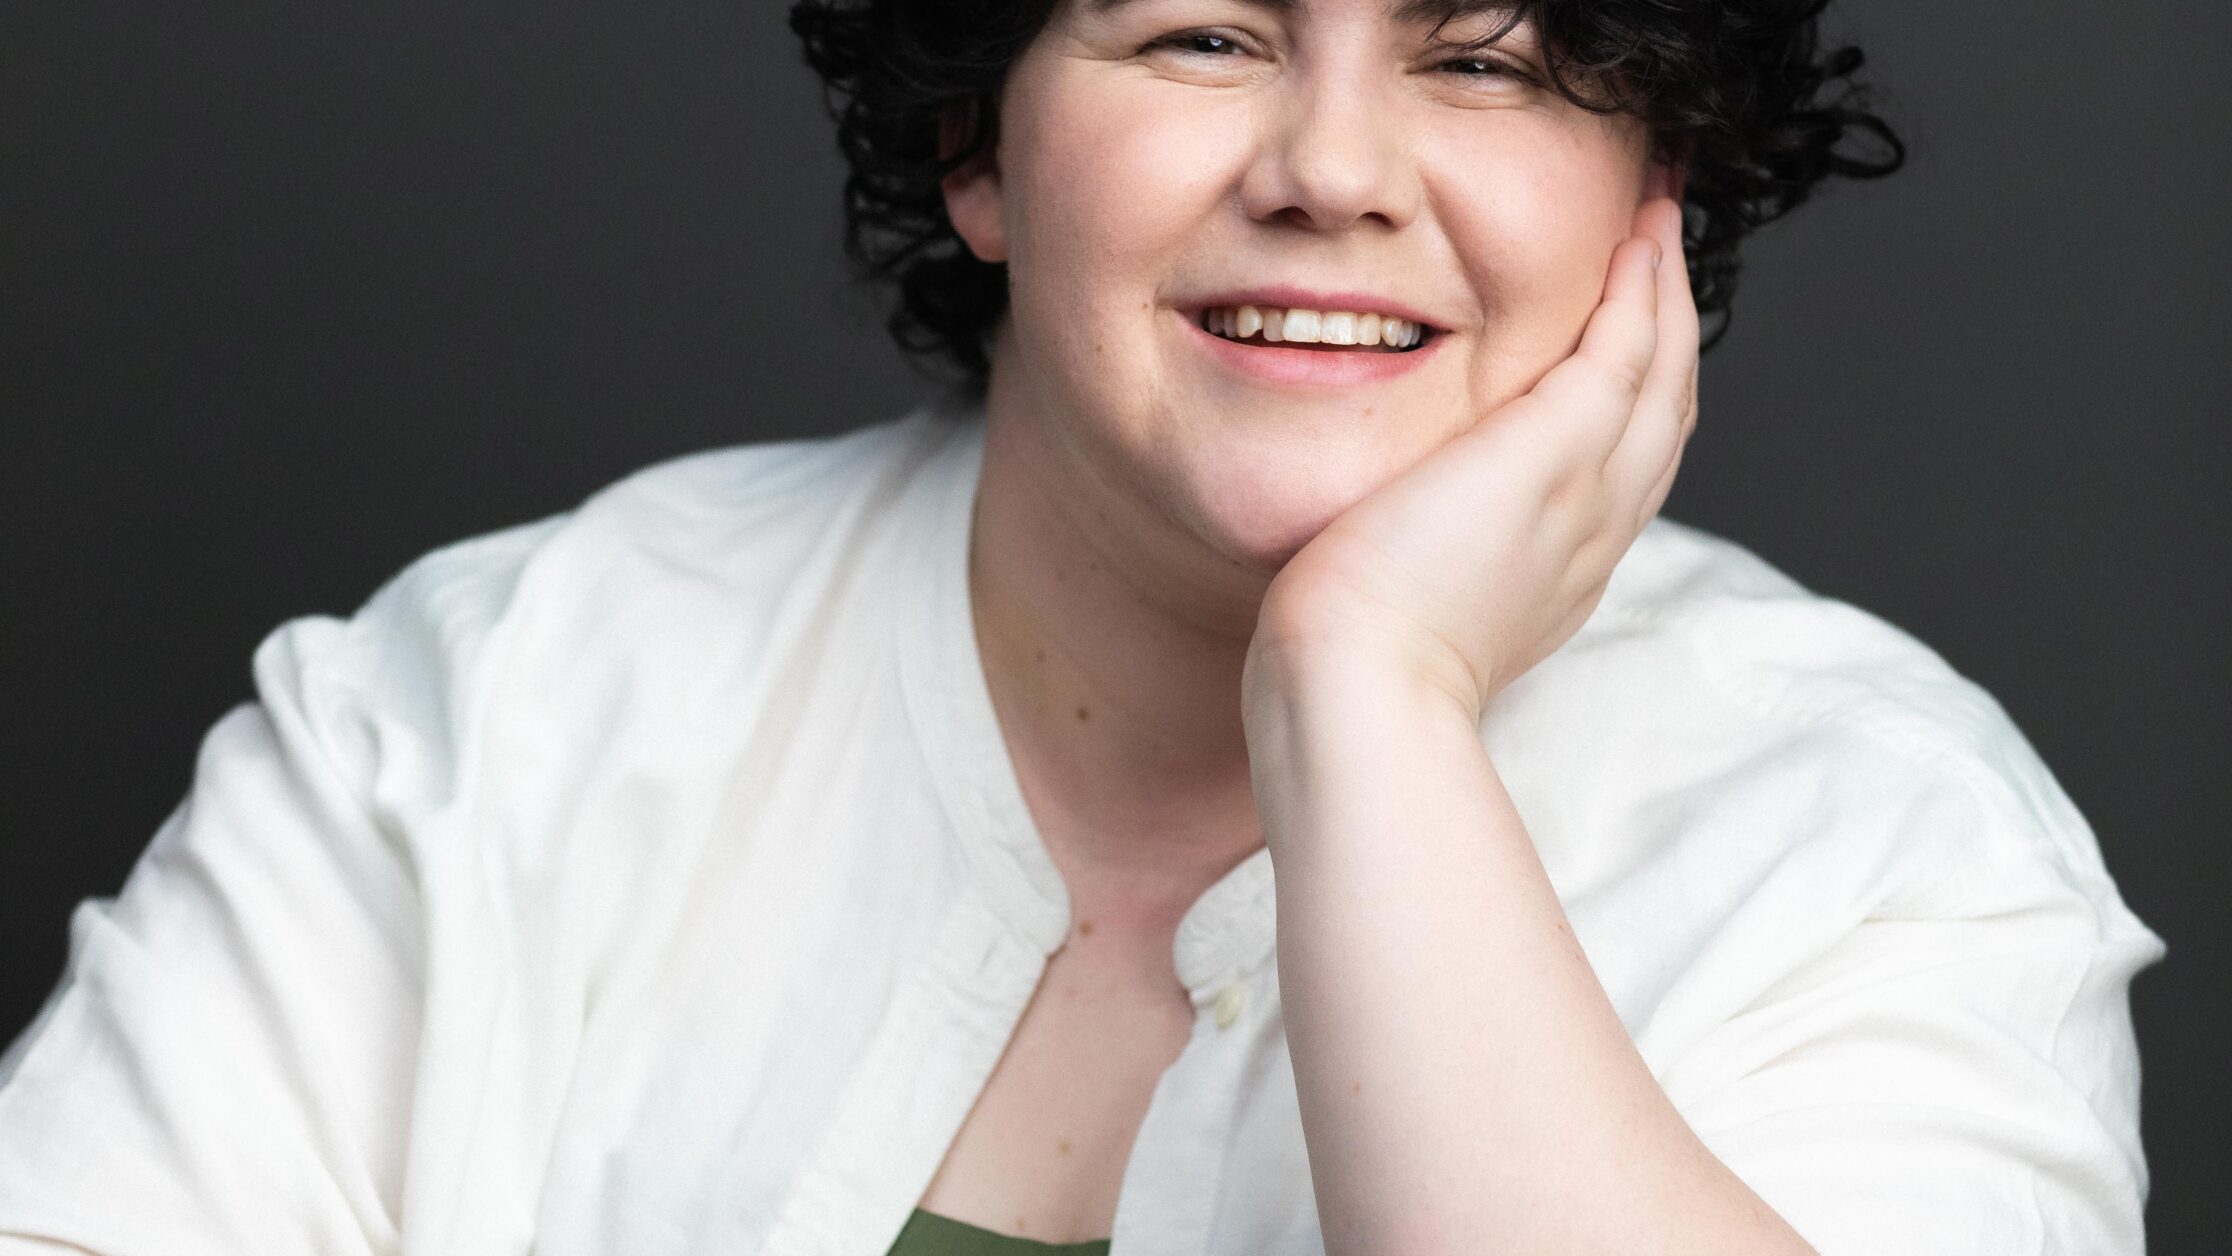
1797,657
490,627
1833,734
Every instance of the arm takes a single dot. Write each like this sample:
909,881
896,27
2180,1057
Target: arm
1954,1072
1465,1083
1450,1104
224,1065
234,1060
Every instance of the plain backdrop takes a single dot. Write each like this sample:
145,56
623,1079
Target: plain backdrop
291,294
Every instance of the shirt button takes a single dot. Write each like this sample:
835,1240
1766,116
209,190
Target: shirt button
1229,1002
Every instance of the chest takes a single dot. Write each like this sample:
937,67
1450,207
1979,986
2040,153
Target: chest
1042,1152
803,1099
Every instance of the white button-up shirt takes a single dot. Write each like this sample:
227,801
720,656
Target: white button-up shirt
653,878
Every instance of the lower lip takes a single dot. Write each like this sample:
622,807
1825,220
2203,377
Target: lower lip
1310,368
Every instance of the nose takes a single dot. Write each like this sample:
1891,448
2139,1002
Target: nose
1330,154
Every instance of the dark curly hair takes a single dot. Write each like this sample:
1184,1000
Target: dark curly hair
1739,90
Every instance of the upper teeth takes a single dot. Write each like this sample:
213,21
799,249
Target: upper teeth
1331,327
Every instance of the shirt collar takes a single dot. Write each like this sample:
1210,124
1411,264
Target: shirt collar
1228,932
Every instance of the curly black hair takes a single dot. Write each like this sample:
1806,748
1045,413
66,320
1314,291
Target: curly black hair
1739,90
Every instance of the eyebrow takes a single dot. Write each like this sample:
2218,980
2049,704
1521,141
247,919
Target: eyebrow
1409,12
1420,12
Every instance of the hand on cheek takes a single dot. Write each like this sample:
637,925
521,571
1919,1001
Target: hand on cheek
1478,562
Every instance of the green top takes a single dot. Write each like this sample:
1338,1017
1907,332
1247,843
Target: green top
932,1234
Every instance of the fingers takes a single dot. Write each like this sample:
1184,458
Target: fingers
1593,391
1639,469
1610,419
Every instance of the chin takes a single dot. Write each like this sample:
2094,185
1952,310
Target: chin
1260,507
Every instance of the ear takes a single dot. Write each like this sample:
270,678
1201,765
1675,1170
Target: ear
1667,178
972,191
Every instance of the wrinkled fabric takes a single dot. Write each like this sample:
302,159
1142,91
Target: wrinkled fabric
652,878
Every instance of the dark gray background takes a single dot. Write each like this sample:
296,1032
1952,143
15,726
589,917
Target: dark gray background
291,294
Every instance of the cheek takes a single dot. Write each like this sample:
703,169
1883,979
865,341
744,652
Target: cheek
1107,184
1533,219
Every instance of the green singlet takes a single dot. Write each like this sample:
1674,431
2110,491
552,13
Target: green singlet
930,1234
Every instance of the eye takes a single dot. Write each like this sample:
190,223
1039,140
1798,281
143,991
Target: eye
1198,43
1482,68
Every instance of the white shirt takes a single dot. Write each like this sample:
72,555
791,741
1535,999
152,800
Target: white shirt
652,878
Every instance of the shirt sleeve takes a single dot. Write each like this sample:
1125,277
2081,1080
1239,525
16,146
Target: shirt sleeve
1957,1072
228,1062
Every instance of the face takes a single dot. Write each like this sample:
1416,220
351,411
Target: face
1162,160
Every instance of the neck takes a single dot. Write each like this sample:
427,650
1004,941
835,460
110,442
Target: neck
1113,652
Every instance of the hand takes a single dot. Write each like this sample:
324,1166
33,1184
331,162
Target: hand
1478,562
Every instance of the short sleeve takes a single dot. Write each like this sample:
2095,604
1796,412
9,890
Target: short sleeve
1956,1073
227,1063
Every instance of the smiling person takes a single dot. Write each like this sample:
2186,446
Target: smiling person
1247,769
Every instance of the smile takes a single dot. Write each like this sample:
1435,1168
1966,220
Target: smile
1303,358
1330,329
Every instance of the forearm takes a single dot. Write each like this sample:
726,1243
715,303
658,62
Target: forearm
1465,1084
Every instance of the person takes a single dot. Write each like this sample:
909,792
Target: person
1248,769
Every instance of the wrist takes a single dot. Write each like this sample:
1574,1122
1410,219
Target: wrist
1331,722
1288,675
